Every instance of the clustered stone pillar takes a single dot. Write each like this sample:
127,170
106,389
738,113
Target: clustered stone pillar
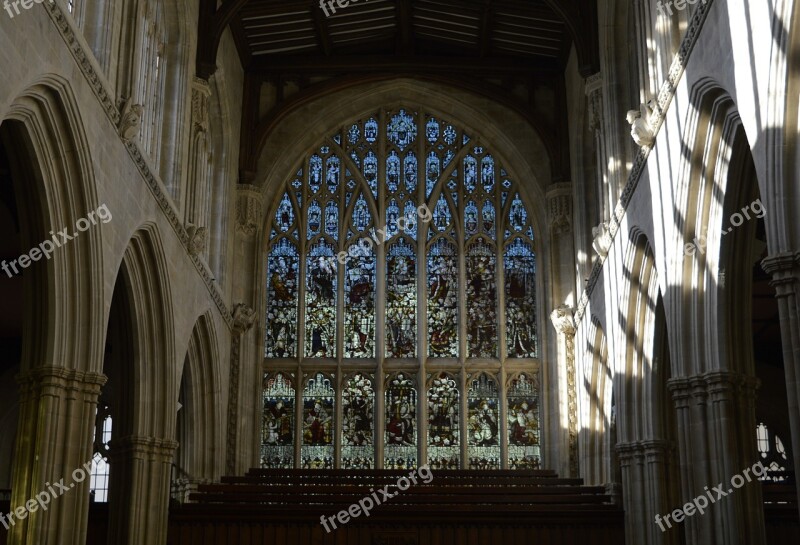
243,318
785,271
57,410
715,422
139,496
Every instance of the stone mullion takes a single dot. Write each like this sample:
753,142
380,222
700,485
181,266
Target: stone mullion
628,453
681,395
700,455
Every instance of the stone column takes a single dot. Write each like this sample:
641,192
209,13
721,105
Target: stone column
54,439
785,271
243,318
139,496
563,321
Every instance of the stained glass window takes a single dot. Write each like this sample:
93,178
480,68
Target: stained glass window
483,423
443,440
523,423
400,447
358,445
402,242
319,400
277,422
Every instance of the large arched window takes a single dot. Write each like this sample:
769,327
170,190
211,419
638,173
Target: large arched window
401,248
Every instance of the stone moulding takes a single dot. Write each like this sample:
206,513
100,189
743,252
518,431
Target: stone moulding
665,96
94,76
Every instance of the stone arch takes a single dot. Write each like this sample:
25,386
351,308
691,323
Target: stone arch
200,418
63,300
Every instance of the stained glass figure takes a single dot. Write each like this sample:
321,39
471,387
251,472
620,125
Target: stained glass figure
432,130
433,168
315,173
277,422
410,172
332,173
361,216
371,130
393,171
284,216
520,284
470,173
483,424
314,219
481,300
517,215
353,133
443,417
488,217
442,218
371,171
402,130
487,173
281,322
450,135
400,450
358,402
523,423
412,219
319,404
392,215
442,300
401,300
471,218
359,288
321,281
332,220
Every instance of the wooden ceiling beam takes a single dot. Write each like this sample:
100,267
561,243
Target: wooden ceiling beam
487,23
581,21
334,65
211,24
321,29
405,29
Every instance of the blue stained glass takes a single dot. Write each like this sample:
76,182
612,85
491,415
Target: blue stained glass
359,292
465,140
503,197
432,130
401,300
371,171
433,169
371,130
443,417
393,171
487,173
442,218
517,215
402,129
296,183
281,324
273,233
507,184
454,195
452,184
315,173
411,218
324,150
314,220
332,220
488,219
351,184
442,300
530,233
299,196
321,282
410,171
361,216
471,218
338,139
353,133
284,216
477,150
448,158
332,175
450,135
481,295
470,173
503,172
392,215
520,281
356,159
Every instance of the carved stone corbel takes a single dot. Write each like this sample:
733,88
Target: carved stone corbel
602,239
130,120
641,122
248,209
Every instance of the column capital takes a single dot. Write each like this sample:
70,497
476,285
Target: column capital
563,320
249,209
86,382
143,447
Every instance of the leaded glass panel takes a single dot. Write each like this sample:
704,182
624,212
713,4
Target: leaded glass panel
443,417
483,424
277,422
400,450
523,423
319,403
401,300
358,402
